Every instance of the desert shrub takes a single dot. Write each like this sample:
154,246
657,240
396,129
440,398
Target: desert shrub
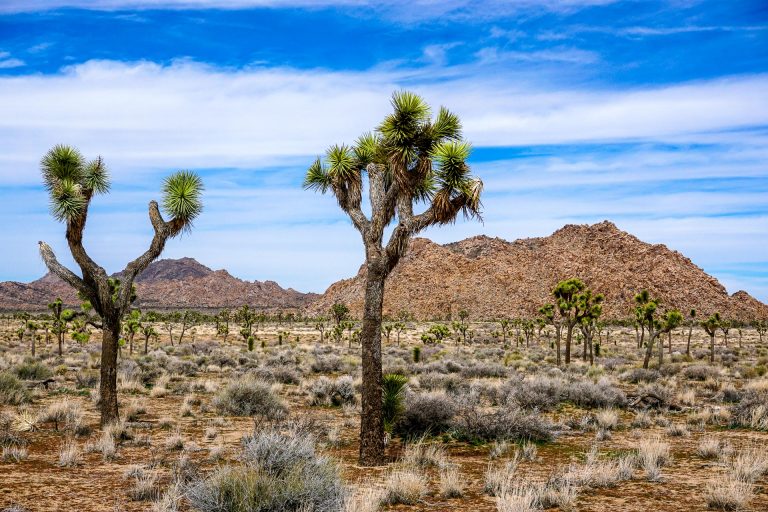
426,413
327,364
324,391
479,370
451,483
511,423
751,411
12,392
542,393
277,473
32,370
637,375
436,381
249,397
601,394
86,380
284,375
700,372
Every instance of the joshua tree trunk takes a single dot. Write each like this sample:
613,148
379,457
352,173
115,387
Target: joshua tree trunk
712,348
60,336
34,343
649,350
146,343
568,338
108,385
558,337
371,423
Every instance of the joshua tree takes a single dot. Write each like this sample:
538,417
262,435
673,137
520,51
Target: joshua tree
710,326
132,325
386,331
655,326
399,328
641,300
410,159
504,329
320,327
339,312
170,321
461,326
566,295
246,317
588,310
147,328
549,313
188,320
691,323
760,326
725,328
222,323
61,319
528,327
72,183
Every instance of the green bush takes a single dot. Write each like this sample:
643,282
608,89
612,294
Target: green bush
249,396
278,473
12,391
33,370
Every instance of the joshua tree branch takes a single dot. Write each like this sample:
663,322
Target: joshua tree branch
63,272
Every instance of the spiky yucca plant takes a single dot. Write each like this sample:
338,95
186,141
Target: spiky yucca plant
72,182
393,398
411,159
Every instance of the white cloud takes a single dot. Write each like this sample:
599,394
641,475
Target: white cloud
147,119
143,116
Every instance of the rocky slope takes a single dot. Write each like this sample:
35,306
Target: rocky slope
166,284
490,277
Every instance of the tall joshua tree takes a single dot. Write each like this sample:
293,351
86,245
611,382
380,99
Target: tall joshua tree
691,324
410,159
72,182
548,313
710,326
589,307
655,326
567,295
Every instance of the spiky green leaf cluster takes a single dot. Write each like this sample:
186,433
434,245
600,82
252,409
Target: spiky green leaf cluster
182,196
71,181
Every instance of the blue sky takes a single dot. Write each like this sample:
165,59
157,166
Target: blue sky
651,114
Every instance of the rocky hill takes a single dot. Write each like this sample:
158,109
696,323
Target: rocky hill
490,277
166,284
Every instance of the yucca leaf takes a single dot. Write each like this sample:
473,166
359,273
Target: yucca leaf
182,199
67,201
61,163
317,177
96,177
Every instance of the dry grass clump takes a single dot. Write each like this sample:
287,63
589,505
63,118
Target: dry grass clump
728,493
405,486
749,464
652,455
496,477
607,419
517,497
364,499
423,455
711,448
12,390
69,454
451,484
14,453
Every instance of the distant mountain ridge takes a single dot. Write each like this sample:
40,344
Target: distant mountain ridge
489,277
181,283
493,278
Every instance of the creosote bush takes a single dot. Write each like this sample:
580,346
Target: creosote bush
277,472
249,397
12,391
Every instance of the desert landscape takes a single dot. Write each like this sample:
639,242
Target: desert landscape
383,256
485,418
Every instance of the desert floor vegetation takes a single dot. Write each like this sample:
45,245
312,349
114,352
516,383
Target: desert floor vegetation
209,425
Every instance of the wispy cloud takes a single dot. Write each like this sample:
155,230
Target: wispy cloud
8,62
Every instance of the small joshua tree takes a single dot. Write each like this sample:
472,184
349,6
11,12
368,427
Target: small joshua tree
589,307
132,325
648,314
549,314
61,319
222,323
691,323
760,326
339,312
320,327
504,329
246,317
710,326
725,328
410,159
72,182
566,295
147,328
